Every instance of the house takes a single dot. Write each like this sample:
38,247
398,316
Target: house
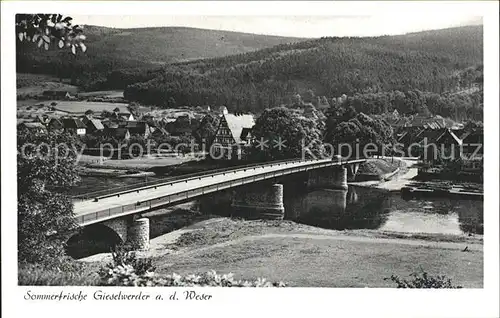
121,133
93,125
439,143
55,125
233,134
427,144
32,126
450,145
406,137
74,126
138,128
473,142
122,114
44,119
159,131
246,136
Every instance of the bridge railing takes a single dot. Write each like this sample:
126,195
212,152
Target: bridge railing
175,179
188,194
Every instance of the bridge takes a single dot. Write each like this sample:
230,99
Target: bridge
256,194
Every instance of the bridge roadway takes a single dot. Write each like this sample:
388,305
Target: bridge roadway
178,191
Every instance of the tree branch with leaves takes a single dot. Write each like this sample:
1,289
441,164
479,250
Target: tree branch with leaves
48,29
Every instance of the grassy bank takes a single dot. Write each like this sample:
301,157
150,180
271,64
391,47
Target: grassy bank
297,254
303,255
306,256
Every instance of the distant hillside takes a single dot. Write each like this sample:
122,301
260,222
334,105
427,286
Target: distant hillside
435,61
143,48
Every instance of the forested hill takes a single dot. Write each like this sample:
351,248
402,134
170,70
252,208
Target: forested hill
141,49
435,61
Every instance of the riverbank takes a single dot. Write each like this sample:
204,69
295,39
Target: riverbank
379,169
303,255
394,182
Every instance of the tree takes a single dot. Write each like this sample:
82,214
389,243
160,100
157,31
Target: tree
309,96
207,129
344,126
286,132
44,29
106,114
45,161
171,103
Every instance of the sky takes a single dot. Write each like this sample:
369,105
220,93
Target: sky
295,26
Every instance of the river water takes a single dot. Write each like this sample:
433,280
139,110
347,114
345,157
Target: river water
368,208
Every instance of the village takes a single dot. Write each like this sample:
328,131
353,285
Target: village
438,142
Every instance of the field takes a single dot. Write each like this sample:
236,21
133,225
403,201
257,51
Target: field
106,94
36,84
81,107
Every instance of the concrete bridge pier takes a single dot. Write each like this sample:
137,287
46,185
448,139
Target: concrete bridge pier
328,178
352,169
259,201
133,232
138,234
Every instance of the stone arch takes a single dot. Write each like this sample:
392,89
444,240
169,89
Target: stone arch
93,239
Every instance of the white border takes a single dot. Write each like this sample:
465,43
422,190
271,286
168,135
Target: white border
251,302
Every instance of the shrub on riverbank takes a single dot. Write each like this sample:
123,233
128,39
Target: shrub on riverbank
128,270
423,280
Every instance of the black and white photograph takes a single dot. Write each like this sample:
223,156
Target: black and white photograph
178,151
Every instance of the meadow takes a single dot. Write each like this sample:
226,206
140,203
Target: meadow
77,107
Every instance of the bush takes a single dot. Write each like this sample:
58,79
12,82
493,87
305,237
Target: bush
123,257
423,280
128,270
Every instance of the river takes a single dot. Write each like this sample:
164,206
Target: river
365,208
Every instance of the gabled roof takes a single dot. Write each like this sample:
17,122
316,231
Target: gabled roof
474,136
55,121
42,120
450,133
460,133
73,123
96,123
432,135
236,123
160,131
